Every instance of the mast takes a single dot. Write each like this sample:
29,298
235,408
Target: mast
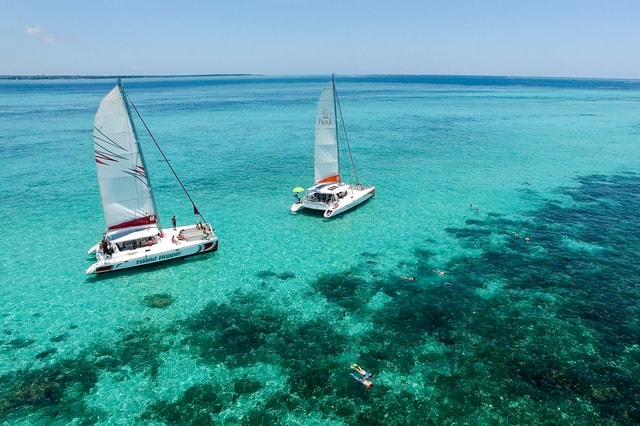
126,101
336,105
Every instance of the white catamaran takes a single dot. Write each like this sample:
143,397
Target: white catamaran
329,193
134,236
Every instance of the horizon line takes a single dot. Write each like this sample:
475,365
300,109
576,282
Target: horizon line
112,76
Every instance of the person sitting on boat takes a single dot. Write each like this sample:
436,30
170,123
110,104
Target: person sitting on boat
361,371
104,245
365,382
181,235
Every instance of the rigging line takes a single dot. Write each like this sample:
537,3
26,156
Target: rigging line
140,157
195,209
346,136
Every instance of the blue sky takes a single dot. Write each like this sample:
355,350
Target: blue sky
555,38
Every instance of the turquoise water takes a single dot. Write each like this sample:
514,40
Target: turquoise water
535,322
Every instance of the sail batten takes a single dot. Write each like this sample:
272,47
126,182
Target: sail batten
127,199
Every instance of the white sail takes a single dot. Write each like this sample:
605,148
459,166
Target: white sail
327,168
127,199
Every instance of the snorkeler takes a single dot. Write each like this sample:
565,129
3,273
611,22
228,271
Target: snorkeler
365,382
361,371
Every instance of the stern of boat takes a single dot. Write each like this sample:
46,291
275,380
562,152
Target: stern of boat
296,206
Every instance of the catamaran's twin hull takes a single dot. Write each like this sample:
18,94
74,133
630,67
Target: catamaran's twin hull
160,252
359,196
356,195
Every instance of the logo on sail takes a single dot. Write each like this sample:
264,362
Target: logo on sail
325,119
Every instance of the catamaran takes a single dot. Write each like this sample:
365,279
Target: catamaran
134,236
329,193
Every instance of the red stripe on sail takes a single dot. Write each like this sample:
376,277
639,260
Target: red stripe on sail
147,220
100,157
139,170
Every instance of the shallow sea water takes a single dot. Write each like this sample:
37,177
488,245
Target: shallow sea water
534,322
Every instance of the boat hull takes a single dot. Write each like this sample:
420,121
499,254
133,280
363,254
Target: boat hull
356,195
167,248
359,196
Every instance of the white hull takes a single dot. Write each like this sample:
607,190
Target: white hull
333,206
165,248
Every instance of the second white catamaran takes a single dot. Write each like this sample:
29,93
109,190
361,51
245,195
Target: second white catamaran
329,193
134,236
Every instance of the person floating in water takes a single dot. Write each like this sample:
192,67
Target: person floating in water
365,382
361,371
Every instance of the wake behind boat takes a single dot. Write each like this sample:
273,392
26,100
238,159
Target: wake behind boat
134,236
329,194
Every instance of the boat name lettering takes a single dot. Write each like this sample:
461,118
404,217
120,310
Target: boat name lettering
157,258
146,260
169,256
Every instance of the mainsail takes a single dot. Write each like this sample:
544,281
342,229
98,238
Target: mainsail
127,199
327,167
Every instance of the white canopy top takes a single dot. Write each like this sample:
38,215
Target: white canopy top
329,188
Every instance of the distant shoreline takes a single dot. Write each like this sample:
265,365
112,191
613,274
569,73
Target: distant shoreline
457,80
111,77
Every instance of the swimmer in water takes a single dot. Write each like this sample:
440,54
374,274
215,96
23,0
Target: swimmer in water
365,382
361,371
